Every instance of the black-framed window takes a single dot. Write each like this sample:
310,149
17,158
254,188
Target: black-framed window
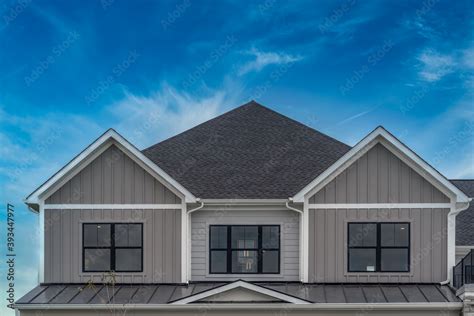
378,247
112,247
244,249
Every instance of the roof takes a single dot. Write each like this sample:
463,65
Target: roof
251,152
465,219
165,293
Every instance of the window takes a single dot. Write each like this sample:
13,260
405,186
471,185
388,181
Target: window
242,249
378,247
112,247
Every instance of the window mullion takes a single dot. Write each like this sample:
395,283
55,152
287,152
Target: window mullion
229,249
259,250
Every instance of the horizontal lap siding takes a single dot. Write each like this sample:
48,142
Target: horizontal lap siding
161,236
328,244
113,178
288,220
378,176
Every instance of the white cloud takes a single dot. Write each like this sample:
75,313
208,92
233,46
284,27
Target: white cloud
264,59
144,120
434,66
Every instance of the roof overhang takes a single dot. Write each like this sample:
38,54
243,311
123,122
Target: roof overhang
74,166
381,135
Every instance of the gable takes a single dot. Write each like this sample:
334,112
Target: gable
405,154
113,178
240,292
239,295
378,176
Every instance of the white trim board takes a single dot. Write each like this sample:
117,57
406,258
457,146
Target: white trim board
106,140
380,135
251,307
112,206
379,205
244,285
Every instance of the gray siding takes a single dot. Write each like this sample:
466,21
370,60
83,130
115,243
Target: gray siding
161,235
328,244
113,178
288,221
379,176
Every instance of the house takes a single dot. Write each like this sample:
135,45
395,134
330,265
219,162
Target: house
247,209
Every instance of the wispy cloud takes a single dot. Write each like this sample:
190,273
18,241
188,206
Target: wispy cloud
434,65
358,115
146,119
263,59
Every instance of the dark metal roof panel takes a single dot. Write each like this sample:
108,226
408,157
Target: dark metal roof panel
66,295
105,295
413,293
393,294
48,294
28,297
144,294
162,294
354,294
334,294
373,294
86,294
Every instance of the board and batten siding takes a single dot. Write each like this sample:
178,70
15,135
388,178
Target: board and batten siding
289,247
113,178
378,176
328,244
161,248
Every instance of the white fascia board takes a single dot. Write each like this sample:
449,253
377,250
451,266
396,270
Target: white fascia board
244,201
379,205
435,306
36,196
112,206
240,284
369,141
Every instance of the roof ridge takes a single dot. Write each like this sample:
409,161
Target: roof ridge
245,105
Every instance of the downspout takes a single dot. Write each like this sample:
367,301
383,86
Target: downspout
453,214
301,227
197,208
292,208
188,234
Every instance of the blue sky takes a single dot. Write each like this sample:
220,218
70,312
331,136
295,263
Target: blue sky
71,69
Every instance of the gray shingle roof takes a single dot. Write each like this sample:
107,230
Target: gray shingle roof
165,293
465,220
250,152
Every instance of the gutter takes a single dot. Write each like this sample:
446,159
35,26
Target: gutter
435,306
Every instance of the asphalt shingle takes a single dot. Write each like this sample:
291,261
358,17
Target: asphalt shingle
251,152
